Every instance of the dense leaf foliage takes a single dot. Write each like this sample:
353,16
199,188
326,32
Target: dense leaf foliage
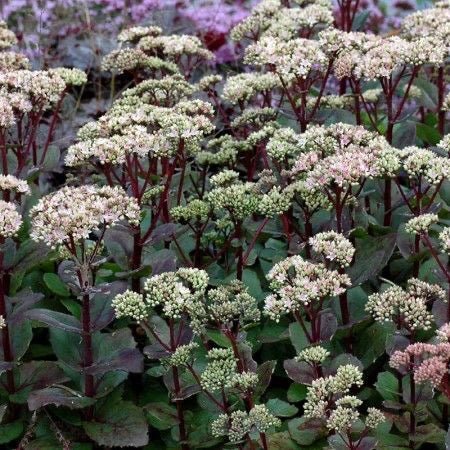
196,254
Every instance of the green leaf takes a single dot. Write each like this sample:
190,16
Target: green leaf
296,392
10,431
387,385
161,415
371,256
55,285
427,134
117,423
306,431
281,408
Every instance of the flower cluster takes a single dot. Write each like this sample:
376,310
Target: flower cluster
407,308
421,224
328,399
10,220
240,423
73,213
176,292
220,370
297,282
334,247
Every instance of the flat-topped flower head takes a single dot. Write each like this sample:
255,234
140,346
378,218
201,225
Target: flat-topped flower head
73,213
417,162
7,37
407,308
429,362
313,355
245,86
133,34
297,58
334,247
297,282
328,398
10,61
421,224
10,220
177,293
14,184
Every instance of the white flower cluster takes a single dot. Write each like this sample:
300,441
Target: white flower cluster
231,302
239,423
10,61
313,355
421,224
42,88
407,308
182,356
7,37
420,162
327,398
177,292
297,282
392,53
334,247
444,237
12,183
10,219
245,86
130,304
113,150
72,213
133,34
2,322
72,77
220,370
297,58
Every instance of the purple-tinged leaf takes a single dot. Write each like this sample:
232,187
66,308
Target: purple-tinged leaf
102,313
328,325
58,396
299,371
156,351
55,319
264,372
127,359
36,375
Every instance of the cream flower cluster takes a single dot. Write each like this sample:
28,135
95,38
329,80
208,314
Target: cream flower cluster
297,282
10,219
220,370
44,88
113,150
313,355
328,399
297,58
231,302
130,304
10,61
421,224
244,86
408,308
420,162
239,423
177,292
334,247
12,183
72,213
7,37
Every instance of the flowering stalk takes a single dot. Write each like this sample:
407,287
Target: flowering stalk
6,340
